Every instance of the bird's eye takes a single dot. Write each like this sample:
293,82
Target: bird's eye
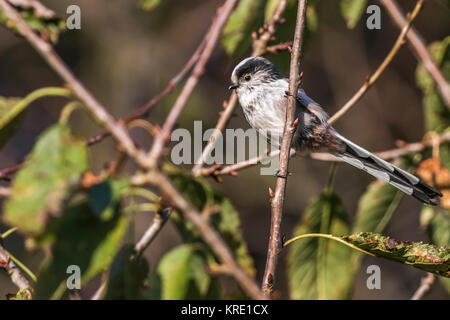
247,77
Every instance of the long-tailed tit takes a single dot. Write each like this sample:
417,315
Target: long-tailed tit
262,92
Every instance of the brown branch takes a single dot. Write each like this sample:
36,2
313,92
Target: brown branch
277,201
223,14
370,81
209,235
13,271
259,48
420,50
425,286
52,58
158,222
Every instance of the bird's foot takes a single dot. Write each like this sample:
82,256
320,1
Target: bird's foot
279,175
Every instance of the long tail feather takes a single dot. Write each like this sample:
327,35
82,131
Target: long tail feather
383,170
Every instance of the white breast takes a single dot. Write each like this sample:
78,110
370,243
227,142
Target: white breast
265,108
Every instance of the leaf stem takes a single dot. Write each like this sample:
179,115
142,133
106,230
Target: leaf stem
327,236
30,98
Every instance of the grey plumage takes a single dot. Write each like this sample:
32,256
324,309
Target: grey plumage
261,91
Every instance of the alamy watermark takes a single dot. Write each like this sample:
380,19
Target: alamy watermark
235,146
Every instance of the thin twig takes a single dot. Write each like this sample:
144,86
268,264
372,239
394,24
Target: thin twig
13,271
223,14
277,200
158,222
209,235
420,50
259,48
141,112
52,58
425,286
5,192
370,81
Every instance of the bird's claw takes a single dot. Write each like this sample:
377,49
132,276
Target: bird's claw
284,176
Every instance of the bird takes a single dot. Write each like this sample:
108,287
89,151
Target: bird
262,92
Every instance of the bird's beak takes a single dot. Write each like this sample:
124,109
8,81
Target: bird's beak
233,86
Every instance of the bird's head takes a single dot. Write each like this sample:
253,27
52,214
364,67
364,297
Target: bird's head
253,72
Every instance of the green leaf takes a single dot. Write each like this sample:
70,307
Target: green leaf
375,207
423,256
437,115
226,221
148,5
181,274
352,10
42,20
318,268
246,18
8,129
80,237
50,175
12,109
127,275
437,223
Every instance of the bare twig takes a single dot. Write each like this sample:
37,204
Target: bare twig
223,14
259,48
5,192
13,271
370,81
158,222
52,58
141,112
209,235
277,201
425,286
420,50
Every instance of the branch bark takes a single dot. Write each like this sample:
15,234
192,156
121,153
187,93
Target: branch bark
158,222
420,50
277,201
13,271
425,286
209,235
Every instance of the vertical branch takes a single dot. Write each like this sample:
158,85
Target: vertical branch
420,50
277,200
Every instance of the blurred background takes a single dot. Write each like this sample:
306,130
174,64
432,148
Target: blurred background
125,56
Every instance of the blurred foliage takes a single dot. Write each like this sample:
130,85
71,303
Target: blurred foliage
437,114
352,10
182,274
7,129
225,220
319,268
376,206
81,237
50,176
148,4
246,18
437,224
48,26
127,275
